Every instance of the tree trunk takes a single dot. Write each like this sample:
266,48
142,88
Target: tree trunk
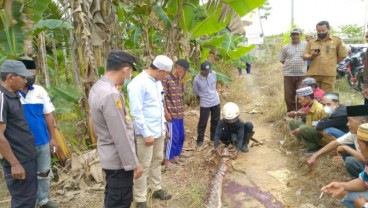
66,65
56,64
43,60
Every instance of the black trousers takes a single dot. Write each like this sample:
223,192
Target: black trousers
365,101
203,118
23,192
119,188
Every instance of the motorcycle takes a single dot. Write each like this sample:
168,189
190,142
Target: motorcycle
352,68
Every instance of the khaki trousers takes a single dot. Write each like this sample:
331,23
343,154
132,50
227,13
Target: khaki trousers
326,83
150,158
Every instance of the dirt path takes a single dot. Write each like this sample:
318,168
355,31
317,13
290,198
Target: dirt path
264,180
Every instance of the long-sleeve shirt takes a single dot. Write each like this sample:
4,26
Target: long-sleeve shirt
205,88
315,113
113,127
146,97
236,128
174,93
338,119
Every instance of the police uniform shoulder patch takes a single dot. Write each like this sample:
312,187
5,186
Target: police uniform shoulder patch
119,104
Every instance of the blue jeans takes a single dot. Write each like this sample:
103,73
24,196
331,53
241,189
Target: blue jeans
354,166
334,132
44,173
348,200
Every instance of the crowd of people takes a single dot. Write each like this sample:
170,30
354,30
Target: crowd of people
318,120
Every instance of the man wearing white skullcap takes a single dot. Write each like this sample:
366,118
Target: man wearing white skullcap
146,97
306,132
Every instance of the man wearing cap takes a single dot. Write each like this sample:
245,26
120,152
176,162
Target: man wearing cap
146,97
38,111
307,133
114,129
17,145
317,91
347,144
294,69
204,86
174,110
353,193
324,53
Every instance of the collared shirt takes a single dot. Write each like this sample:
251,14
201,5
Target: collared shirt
35,104
332,50
315,113
113,126
205,88
146,97
292,56
17,131
174,92
349,138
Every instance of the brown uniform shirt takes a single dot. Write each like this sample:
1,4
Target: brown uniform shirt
332,50
113,126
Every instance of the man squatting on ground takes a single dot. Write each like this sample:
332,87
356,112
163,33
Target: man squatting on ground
232,130
114,128
306,132
347,144
38,111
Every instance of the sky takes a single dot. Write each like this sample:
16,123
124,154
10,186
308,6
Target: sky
307,13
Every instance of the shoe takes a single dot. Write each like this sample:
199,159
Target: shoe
141,205
50,204
199,144
181,159
245,148
162,195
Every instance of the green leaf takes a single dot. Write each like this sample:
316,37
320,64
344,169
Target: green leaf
221,77
51,24
36,9
240,51
204,54
243,7
162,15
66,93
215,41
210,25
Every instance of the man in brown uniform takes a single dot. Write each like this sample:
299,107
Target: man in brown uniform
114,128
324,53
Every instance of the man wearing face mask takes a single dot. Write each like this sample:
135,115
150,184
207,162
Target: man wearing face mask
114,129
38,111
324,53
335,125
146,97
174,111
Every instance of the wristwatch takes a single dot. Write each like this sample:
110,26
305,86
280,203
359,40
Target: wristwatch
365,205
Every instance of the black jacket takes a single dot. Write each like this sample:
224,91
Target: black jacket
232,128
337,119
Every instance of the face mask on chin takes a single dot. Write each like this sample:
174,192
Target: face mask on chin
126,81
322,35
328,110
30,81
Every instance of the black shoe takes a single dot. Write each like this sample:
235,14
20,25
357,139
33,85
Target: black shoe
50,204
141,205
161,194
199,144
245,148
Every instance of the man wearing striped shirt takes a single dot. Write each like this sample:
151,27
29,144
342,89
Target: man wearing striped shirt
174,110
294,69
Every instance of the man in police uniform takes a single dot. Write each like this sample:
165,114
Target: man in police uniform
114,129
324,53
17,144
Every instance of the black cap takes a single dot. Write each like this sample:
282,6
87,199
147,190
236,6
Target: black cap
123,56
30,64
183,63
206,66
357,110
15,67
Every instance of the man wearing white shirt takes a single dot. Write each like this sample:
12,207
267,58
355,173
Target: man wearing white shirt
146,97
